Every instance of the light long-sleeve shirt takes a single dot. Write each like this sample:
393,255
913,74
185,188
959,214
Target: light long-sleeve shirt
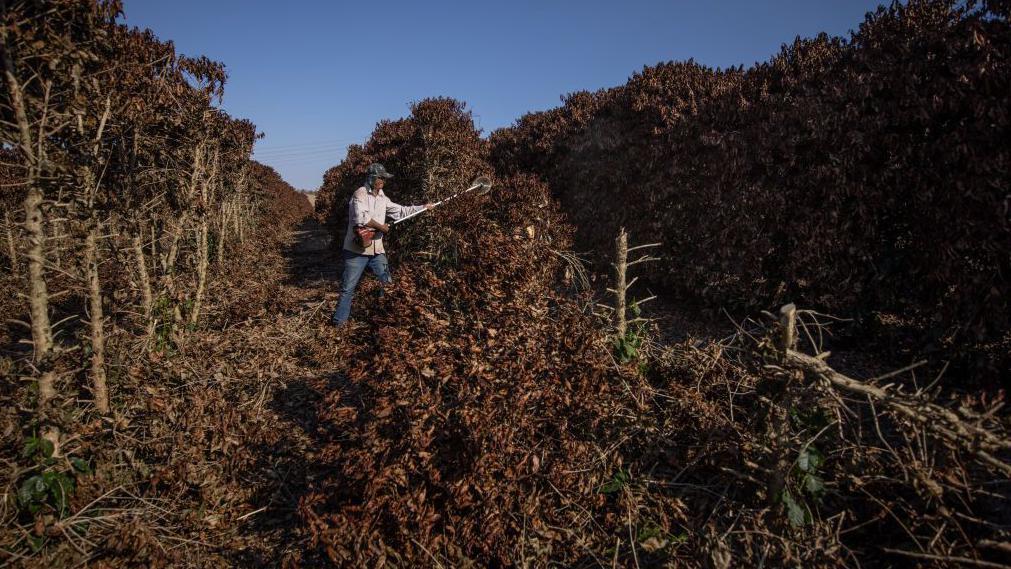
366,204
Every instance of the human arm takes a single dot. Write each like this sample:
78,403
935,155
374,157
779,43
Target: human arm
361,212
397,211
384,227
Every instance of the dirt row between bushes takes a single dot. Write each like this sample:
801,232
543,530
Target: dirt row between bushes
307,343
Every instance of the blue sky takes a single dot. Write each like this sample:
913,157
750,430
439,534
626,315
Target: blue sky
316,75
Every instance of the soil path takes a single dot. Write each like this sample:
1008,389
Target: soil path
310,258
287,466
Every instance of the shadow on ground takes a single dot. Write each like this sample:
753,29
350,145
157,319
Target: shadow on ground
283,470
312,261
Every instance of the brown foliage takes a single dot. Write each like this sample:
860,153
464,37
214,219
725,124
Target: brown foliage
115,140
861,175
438,440
478,417
281,204
433,153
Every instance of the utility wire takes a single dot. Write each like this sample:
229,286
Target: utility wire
300,153
337,154
304,149
304,144
322,162
320,154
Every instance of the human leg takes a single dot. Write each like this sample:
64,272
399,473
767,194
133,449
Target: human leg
380,267
354,266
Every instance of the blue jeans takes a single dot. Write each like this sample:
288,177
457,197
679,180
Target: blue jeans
354,266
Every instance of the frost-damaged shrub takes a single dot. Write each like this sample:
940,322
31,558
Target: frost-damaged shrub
282,204
468,383
481,422
862,175
433,153
479,406
127,206
480,389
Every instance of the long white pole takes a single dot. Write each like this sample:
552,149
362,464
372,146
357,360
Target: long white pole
474,187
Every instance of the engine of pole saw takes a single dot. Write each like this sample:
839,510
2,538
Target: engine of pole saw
365,235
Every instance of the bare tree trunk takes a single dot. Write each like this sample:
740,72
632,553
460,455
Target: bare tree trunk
240,222
202,258
621,267
12,250
152,320
169,265
778,419
235,219
788,327
38,299
154,245
229,214
147,298
56,238
203,246
99,388
222,234
38,295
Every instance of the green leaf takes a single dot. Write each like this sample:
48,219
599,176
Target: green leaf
31,490
36,542
47,447
31,445
814,419
80,465
60,486
813,485
809,460
794,511
635,338
649,530
615,484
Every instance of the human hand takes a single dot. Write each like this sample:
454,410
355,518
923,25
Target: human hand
429,205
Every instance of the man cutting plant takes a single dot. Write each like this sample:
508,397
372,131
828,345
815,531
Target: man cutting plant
363,241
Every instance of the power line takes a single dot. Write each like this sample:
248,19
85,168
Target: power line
315,150
302,148
324,152
311,157
309,160
303,144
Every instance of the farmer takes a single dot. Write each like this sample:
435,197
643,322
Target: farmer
363,242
